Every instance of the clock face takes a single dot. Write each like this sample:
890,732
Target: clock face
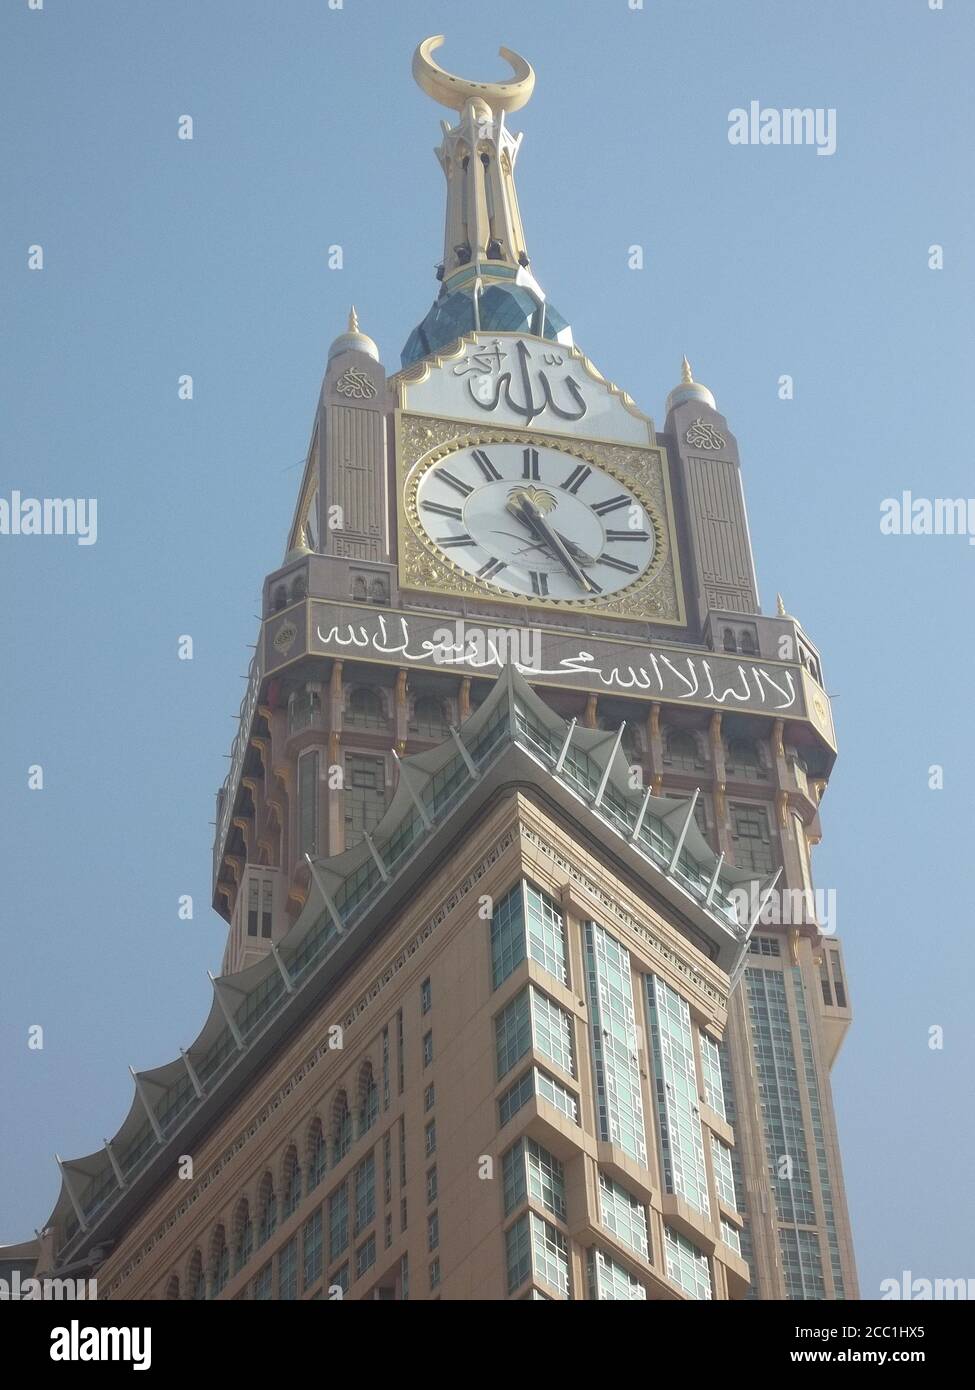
537,522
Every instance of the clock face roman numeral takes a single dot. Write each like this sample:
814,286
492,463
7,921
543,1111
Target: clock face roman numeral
530,469
492,568
449,542
463,488
615,564
611,504
485,465
576,479
627,535
454,512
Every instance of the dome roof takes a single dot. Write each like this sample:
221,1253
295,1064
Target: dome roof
353,340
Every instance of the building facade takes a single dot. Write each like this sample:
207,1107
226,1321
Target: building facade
526,990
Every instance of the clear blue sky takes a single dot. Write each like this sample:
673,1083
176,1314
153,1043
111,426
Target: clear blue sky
164,257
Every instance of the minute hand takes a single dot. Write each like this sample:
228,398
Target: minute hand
526,510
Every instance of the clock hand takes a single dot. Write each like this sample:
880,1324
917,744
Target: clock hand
525,510
576,551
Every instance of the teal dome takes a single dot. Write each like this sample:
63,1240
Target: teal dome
507,308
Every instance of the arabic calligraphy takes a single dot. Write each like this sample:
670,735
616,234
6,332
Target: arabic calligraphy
684,679
355,384
704,436
533,395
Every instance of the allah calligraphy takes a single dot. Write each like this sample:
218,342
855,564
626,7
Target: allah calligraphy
701,435
526,388
355,384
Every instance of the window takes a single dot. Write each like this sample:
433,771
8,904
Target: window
341,1128
432,1184
435,1273
556,1094
364,710
686,1265
724,1177
751,838
402,1214
711,1071
527,921
338,1221
514,1097
513,1032
317,1158
264,1283
311,1244
427,1049
742,760
365,795
221,1261
681,751
429,1097
308,803
430,1138
400,1058
730,1235
624,1215
387,1231
529,1170
385,1068
675,1078
338,1284
288,1271
365,1193
552,1029
426,996
369,1106
518,1252
429,719
608,1280
268,1209
245,1237
614,1046
365,1256
433,1230
292,1183
838,986
550,1253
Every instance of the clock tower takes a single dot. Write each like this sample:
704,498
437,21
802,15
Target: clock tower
523,803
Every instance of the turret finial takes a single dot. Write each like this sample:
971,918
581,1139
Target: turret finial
685,372
353,320
780,607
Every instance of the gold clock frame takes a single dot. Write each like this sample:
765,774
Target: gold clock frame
423,440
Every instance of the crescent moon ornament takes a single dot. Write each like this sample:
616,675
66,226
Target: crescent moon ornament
457,92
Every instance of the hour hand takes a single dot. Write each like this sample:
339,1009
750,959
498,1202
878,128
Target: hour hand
525,510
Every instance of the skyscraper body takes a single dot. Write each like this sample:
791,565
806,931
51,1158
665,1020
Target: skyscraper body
524,993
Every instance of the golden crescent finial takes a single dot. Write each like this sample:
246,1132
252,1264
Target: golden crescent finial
456,92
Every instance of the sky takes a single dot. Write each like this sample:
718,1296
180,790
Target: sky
164,257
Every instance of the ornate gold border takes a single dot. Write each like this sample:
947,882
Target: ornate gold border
423,440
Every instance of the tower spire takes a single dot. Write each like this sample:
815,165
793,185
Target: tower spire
685,372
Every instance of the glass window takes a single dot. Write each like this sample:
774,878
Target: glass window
711,1072
608,1280
730,1235
288,1271
364,710
686,1265
432,1184
678,1112
430,1138
527,921
614,1047
264,1283
338,1221
311,1238
724,1176
365,1256
435,1273
624,1215
364,794
308,803
513,1032
433,1230
751,838
365,1193
427,1049
429,1097
426,996
552,1030
556,1094
518,1252
514,1097
550,1253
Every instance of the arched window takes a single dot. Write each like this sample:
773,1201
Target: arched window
377,591
280,599
359,589
341,1128
681,750
742,760
429,719
730,645
368,1099
316,1151
196,1281
267,1206
364,709
748,645
172,1286
299,588
292,1181
244,1233
219,1260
